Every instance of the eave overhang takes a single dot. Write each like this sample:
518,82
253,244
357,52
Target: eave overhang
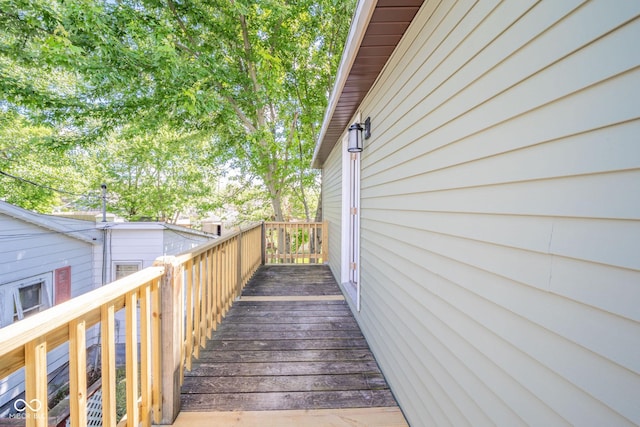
376,30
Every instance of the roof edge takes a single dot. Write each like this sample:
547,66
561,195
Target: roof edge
51,223
359,25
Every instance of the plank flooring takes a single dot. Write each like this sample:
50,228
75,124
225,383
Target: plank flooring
291,345
349,417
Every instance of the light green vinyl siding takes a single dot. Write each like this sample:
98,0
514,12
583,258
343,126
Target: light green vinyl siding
500,214
332,206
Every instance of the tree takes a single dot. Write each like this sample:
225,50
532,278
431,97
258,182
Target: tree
33,173
155,175
277,61
248,80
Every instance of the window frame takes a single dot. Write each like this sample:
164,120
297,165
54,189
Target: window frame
116,264
12,310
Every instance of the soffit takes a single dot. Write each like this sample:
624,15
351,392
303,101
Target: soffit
388,23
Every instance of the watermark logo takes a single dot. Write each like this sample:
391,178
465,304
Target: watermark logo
21,406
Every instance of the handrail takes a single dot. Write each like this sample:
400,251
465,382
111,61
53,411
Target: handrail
170,311
178,301
25,344
296,242
198,288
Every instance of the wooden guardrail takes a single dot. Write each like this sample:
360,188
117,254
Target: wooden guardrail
296,242
25,344
197,290
170,310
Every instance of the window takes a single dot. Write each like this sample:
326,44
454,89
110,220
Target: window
28,300
122,269
24,298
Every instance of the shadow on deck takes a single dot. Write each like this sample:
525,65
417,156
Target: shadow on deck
290,349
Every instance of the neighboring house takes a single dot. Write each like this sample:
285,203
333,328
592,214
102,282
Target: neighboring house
494,249
45,260
132,246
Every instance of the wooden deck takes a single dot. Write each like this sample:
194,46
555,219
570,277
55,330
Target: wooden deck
289,352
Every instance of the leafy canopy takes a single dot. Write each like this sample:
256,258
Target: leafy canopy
162,99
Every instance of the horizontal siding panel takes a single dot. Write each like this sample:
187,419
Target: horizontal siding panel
536,270
615,290
579,154
583,239
594,196
17,270
595,241
485,323
520,232
571,118
587,326
585,110
529,268
438,393
472,116
441,326
440,81
425,73
431,374
453,392
332,206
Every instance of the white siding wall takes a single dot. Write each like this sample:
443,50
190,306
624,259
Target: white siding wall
501,214
332,206
36,250
136,245
144,243
32,252
176,242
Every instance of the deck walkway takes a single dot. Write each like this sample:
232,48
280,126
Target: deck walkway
289,352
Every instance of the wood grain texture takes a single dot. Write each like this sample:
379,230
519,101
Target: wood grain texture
294,298
353,417
281,354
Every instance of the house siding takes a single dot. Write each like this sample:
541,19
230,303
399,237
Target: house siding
332,206
176,242
20,257
500,219
27,250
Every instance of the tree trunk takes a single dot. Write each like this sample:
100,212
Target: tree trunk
319,209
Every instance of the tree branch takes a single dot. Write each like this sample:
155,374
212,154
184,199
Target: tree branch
172,7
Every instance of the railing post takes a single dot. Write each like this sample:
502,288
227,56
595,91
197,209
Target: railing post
325,242
239,265
263,243
171,338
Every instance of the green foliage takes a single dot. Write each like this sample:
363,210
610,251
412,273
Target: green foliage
154,97
25,154
155,176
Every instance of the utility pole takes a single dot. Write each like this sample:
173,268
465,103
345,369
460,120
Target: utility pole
104,202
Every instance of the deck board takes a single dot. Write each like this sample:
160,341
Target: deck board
286,352
351,417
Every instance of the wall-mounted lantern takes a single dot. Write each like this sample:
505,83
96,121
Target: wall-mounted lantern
356,137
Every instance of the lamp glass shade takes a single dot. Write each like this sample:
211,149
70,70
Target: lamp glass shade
355,138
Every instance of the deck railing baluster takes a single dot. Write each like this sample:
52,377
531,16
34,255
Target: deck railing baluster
182,299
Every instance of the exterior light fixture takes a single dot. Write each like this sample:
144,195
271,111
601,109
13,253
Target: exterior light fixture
355,135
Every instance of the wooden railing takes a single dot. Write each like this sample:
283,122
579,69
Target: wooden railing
25,344
197,291
179,301
170,310
296,242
